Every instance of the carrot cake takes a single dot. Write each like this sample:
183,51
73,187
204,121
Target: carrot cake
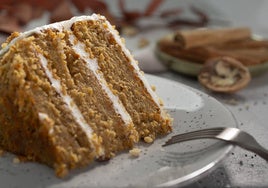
70,93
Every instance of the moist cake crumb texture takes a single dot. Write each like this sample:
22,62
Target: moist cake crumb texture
71,93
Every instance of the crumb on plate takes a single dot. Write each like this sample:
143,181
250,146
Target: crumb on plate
148,139
16,160
135,152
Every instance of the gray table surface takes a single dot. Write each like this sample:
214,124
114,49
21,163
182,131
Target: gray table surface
240,168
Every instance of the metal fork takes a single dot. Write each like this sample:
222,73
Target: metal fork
232,135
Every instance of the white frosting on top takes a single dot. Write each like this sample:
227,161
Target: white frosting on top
64,25
66,98
79,48
92,65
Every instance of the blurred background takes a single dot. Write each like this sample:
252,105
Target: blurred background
136,17
142,23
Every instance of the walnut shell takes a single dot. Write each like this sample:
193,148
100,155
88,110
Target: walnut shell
224,74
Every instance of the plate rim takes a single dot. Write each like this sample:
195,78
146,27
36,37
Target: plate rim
192,176
188,178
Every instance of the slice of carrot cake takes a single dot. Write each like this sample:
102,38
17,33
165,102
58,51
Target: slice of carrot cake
70,92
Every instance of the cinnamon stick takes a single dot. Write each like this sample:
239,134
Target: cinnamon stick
198,54
200,37
248,56
244,44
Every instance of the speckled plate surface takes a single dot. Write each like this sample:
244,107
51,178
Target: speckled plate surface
174,165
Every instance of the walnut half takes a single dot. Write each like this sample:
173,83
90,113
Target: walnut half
224,74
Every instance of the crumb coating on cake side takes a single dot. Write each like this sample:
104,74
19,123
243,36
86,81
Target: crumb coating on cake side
104,44
70,93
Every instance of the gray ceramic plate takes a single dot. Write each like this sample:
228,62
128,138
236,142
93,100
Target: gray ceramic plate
193,68
174,165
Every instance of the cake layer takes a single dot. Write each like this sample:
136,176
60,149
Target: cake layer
70,93
33,122
103,43
84,88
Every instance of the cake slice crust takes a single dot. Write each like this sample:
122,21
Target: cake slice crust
101,43
34,128
70,93
82,85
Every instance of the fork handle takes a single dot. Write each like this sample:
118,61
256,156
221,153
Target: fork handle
256,148
260,151
246,141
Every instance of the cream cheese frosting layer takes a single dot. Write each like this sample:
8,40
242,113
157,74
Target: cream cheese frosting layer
66,98
92,65
134,64
66,25
44,117
76,113
60,26
79,49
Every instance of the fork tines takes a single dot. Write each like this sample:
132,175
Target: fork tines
204,133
